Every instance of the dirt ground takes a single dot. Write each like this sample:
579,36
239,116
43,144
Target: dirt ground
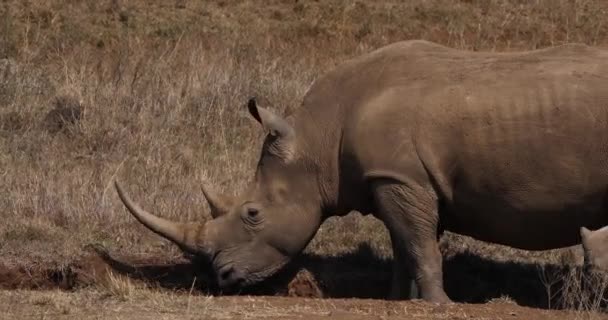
103,286
147,304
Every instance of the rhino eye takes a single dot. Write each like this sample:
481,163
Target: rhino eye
252,212
251,215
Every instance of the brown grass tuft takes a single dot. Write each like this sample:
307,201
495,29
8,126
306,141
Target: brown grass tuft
120,287
53,300
585,291
67,112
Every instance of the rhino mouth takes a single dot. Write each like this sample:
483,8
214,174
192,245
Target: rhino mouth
231,278
260,276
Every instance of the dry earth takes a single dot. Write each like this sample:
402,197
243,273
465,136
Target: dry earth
152,92
158,305
100,285
104,287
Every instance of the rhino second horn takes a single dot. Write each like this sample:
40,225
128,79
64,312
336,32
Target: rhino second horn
175,232
219,204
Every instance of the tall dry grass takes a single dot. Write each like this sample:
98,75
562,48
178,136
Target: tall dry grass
585,291
152,93
161,123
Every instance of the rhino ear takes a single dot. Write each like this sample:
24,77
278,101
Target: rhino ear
278,127
270,121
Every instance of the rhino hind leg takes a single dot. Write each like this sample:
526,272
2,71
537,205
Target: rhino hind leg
410,213
403,286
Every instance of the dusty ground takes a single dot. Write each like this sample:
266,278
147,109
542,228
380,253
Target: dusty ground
146,304
101,285
153,92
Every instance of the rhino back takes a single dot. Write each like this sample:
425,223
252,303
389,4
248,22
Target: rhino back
514,142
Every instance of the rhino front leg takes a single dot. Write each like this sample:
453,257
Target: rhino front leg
411,215
403,285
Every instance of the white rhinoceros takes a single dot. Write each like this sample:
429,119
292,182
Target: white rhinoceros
509,148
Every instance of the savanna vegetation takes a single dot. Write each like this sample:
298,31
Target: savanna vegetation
153,93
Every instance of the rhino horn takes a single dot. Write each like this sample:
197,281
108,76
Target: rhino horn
178,233
219,204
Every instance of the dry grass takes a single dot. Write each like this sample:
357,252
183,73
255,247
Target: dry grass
585,291
120,287
154,93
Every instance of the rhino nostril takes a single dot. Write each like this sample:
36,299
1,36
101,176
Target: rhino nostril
229,277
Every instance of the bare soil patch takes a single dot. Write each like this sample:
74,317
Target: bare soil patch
147,304
468,278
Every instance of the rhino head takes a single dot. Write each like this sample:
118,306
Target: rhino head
595,247
253,236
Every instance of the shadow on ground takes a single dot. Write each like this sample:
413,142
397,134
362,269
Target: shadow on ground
361,274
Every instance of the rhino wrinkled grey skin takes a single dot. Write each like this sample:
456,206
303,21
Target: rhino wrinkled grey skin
509,148
595,248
